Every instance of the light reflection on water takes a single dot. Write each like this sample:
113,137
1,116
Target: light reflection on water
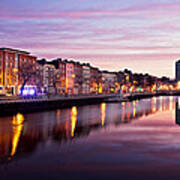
65,124
17,128
23,134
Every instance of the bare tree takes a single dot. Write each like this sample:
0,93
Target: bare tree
26,73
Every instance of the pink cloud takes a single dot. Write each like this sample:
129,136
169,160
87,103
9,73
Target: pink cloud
155,10
86,41
172,25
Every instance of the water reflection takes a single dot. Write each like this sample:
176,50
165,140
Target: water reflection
103,113
17,129
21,134
73,120
178,112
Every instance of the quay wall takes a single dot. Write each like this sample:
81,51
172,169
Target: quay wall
8,107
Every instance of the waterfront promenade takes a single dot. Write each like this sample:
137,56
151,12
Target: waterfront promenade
12,105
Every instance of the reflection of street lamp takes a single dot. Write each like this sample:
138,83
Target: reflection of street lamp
127,78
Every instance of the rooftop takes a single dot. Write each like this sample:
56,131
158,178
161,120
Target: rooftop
14,50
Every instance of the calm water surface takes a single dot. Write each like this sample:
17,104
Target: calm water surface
133,140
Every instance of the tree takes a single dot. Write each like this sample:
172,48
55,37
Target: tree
26,72
127,71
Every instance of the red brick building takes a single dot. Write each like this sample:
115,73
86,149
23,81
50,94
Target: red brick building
12,63
95,80
60,75
77,78
27,64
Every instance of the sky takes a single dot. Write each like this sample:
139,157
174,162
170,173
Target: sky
141,35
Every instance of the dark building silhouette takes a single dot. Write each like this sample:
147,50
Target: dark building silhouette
178,70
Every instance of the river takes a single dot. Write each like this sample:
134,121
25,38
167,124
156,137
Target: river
132,140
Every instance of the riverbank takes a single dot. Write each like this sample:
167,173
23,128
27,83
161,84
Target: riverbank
26,105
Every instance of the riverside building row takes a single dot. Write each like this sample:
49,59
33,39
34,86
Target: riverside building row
20,71
19,68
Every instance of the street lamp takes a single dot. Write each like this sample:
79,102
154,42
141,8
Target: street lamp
15,70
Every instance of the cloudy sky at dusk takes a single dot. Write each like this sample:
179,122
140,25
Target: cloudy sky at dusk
142,35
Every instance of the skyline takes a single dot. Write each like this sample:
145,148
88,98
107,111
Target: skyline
135,35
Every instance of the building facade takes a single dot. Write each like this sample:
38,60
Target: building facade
60,75
49,79
95,81
15,66
69,77
109,80
178,70
39,80
27,69
78,73
86,78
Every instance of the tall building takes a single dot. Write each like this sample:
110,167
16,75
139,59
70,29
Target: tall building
60,75
39,81
14,67
27,68
48,78
95,81
69,77
178,70
77,77
47,74
109,81
86,78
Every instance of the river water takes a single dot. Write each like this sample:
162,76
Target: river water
133,140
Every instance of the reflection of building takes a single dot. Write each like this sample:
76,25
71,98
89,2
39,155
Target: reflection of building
177,113
9,138
103,113
20,134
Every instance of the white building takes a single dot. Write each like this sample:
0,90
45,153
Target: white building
48,78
